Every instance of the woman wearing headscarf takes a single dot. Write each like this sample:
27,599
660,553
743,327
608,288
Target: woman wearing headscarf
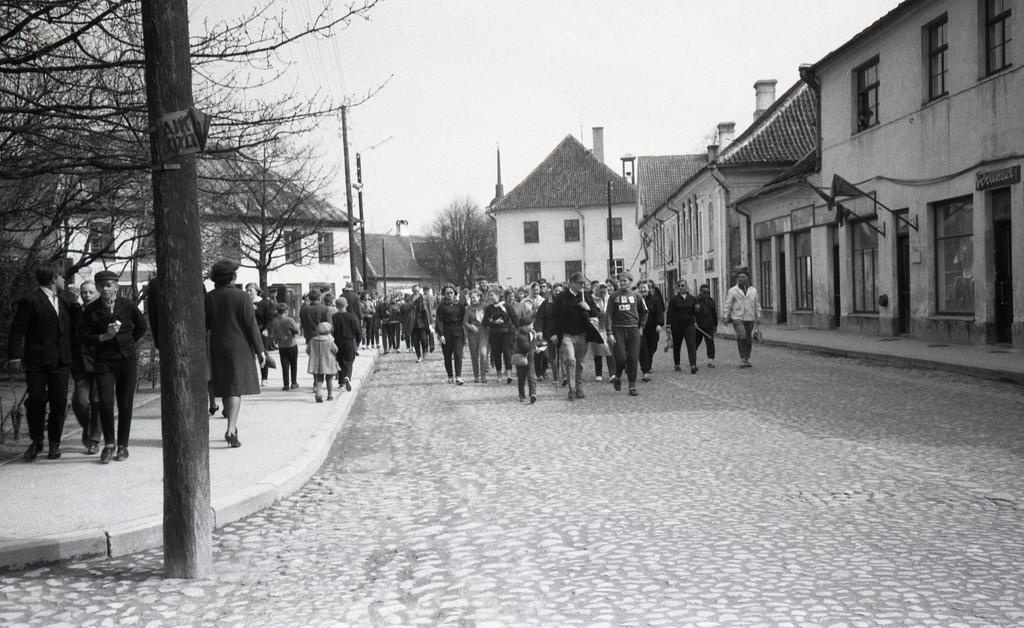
235,344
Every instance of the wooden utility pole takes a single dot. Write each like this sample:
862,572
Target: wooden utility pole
188,543
348,199
362,219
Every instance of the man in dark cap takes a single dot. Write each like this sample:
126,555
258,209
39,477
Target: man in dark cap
110,328
40,343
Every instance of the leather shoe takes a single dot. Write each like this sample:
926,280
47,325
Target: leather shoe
107,453
122,453
92,447
33,450
232,439
54,452
579,394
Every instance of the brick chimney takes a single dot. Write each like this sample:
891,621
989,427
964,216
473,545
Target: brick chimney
726,133
712,152
599,143
765,96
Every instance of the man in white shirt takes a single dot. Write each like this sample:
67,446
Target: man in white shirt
742,308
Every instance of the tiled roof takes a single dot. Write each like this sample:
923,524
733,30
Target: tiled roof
658,176
794,175
782,135
568,177
404,256
236,175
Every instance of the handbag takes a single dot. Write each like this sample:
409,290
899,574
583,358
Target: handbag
271,363
756,335
520,359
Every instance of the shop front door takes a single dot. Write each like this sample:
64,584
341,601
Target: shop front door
903,282
1004,265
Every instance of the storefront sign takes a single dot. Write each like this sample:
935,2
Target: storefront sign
998,178
801,218
182,133
771,227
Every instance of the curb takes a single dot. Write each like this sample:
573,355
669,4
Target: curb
1002,375
147,533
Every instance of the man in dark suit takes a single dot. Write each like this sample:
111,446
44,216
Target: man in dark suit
40,344
571,329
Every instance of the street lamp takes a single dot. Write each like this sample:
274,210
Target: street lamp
383,252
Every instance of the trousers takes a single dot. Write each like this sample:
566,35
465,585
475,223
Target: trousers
525,377
479,344
116,382
85,402
289,364
46,386
452,352
743,339
573,354
501,350
687,334
710,340
627,352
346,356
648,347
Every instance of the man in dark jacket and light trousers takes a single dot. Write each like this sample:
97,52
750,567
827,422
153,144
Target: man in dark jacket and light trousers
571,330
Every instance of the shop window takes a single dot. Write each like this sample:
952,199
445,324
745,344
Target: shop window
804,277
764,272
954,255
531,232
997,34
865,264
867,83
572,230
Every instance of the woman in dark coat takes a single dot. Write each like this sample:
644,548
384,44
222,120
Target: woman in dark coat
235,344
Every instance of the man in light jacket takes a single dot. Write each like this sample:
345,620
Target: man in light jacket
742,308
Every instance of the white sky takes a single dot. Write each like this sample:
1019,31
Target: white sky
658,75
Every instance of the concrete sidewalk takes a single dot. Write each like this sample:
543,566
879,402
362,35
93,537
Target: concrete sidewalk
75,506
990,362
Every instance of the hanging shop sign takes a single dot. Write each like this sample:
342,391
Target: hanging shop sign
998,178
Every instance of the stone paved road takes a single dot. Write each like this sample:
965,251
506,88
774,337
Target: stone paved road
806,491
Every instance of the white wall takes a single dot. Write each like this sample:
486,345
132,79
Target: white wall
552,251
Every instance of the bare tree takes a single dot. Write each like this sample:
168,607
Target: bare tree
464,242
267,210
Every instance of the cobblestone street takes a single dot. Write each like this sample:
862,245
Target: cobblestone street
805,491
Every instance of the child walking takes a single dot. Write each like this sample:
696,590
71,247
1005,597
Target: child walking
322,361
523,356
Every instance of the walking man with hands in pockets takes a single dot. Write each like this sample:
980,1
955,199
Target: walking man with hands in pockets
742,308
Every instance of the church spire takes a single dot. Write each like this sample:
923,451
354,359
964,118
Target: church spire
499,190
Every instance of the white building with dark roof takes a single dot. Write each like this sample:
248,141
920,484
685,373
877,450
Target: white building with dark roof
555,221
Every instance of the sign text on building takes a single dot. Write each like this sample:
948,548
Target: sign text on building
995,178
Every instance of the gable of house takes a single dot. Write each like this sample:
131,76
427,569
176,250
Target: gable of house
570,176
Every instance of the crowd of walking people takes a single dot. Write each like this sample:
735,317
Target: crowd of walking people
524,334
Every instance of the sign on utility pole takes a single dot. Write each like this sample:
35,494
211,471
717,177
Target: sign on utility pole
176,134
